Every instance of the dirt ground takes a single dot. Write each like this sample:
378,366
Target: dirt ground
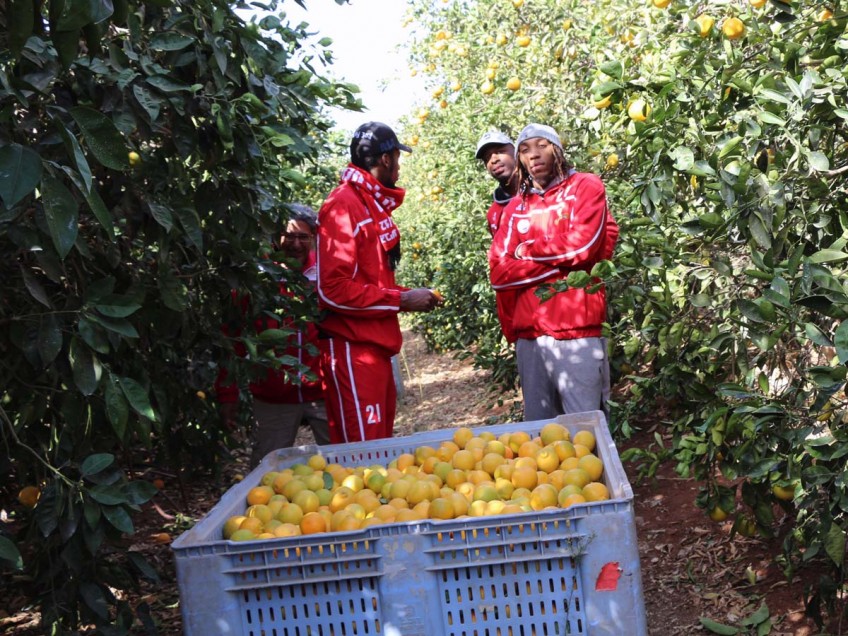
691,567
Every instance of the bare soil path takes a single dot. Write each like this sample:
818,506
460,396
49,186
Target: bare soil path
691,567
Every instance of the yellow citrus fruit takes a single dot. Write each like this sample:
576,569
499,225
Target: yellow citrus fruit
593,466
577,477
757,3
661,4
543,496
705,24
501,39
547,459
313,523
639,110
261,512
825,15
422,453
293,487
513,83
528,449
290,513
570,462
307,500
314,482
342,496
354,482
259,495
446,450
463,460
231,525
134,158
602,103
441,508
253,524
612,160
596,491
571,500
487,88
586,438
301,469
553,432
491,461
523,40
717,514
733,28
29,496
287,530
524,477
564,449
317,462
243,534
517,3
280,481
268,478
784,493
581,451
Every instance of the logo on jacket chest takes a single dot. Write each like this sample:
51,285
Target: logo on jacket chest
523,226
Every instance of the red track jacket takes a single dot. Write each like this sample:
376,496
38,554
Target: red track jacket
355,283
543,237
504,299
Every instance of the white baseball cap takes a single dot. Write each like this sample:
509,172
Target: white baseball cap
492,138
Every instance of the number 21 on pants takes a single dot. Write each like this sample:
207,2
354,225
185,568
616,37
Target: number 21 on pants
372,414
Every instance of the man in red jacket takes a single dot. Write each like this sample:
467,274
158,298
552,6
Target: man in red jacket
497,152
558,223
281,405
358,251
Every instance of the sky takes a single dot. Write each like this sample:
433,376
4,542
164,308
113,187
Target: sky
366,35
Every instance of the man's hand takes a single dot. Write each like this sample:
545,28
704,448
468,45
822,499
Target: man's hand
420,299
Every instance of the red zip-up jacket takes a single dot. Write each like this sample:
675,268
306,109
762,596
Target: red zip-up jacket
356,286
504,299
275,388
543,237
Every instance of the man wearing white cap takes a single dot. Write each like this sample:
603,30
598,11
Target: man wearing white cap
497,152
558,223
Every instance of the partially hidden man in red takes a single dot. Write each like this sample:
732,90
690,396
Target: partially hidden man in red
358,251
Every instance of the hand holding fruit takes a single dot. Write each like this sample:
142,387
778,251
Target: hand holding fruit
420,299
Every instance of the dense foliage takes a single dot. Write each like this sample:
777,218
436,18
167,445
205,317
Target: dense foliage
147,150
720,131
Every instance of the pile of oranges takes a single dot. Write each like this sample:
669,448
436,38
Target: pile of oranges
467,476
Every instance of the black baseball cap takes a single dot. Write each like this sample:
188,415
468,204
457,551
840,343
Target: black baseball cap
373,139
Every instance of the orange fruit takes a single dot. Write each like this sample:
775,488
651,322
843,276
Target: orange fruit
553,432
261,512
29,496
596,491
231,525
485,492
287,530
513,83
491,461
528,449
455,477
516,439
543,496
422,453
592,465
525,462
404,461
418,492
243,534
461,436
342,496
317,462
354,482
257,495
569,463
293,487
313,523
572,500
733,28
564,449
586,438
251,523
524,477
290,513
547,459
463,460
580,450
577,477
441,508
523,40
446,450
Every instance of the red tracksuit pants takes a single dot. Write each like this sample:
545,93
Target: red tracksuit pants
361,395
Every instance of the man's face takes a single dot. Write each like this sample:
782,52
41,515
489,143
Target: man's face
499,161
538,158
393,170
296,242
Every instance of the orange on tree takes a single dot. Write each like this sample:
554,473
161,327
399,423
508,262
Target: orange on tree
523,40
29,496
705,24
638,110
757,3
661,4
602,103
733,28
513,83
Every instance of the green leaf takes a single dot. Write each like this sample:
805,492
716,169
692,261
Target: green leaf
148,101
718,628
34,287
834,544
757,617
729,146
93,464
94,599
613,68
62,214
108,495
115,308
9,553
20,172
818,161
141,564
275,336
683,157
167,84
21,20
162,214
840,341
773,96
117,408
85,366
828,256
191,226
77,155
95,202
140,491
174,293
123,327
170,41
137,397
769,118
102,137
49,338
119,518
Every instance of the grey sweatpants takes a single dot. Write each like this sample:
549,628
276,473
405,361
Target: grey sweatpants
277,425
562,376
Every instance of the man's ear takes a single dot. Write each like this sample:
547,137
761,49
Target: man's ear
386,160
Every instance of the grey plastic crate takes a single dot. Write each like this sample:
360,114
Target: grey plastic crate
554,572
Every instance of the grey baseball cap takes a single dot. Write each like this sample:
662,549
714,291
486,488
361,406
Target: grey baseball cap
491,138
531,131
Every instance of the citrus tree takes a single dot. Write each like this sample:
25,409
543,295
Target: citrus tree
147,150
720,131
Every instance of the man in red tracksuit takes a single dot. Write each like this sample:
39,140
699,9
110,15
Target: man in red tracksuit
497,152
558,223
281,405
358,251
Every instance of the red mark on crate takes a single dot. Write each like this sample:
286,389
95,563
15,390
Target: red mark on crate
608,578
